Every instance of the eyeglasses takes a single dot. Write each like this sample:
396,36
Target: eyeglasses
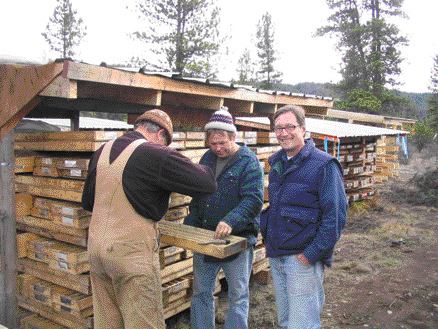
288,129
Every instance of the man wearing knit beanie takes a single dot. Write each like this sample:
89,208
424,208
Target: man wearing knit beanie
127,188
233,209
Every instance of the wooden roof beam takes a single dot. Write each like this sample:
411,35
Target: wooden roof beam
263,108
61,87
237,106
123,94
92,73
19,89
179,100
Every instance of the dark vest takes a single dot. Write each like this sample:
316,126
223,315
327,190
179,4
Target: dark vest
292,219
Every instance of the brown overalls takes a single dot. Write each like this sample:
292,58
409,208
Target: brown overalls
123,249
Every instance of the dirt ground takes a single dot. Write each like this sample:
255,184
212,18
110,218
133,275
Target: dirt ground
385,271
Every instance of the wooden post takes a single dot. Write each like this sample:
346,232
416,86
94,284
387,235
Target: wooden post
74,125
8,253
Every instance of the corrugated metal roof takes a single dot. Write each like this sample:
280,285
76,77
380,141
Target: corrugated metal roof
88,123
336,128
343,129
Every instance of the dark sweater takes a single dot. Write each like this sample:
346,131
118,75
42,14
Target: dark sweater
152,172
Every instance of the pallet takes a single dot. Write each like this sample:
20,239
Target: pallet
62,162
72,301
62,318
37,249
60,172
80,283
35,321
68,258
57,188
52,230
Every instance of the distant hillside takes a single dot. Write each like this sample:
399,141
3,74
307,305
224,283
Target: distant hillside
417,108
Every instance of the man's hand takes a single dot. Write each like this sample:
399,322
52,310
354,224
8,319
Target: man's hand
303,259
222,230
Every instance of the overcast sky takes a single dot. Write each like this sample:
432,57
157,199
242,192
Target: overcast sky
302,58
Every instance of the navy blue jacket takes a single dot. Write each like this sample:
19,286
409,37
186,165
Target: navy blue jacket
238,199
307,205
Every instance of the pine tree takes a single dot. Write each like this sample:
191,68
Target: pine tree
370,45
65,29
266,52
433,99
245,68
183,34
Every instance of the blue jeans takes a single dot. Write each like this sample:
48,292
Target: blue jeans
237,272
299,292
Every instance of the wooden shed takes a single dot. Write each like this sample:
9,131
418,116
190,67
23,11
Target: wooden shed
64,89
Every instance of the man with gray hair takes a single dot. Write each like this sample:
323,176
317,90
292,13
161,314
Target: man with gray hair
127,189
306,214
233,209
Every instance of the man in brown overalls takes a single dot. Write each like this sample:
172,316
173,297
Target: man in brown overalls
127,188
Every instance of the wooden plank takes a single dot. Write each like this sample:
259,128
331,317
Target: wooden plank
196,135
80,283
260,265
65,184
194,153
51,192
89,136
71,146
246,122
189,237
52,230
176,270
62,208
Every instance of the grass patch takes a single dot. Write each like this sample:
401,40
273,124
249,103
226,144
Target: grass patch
391,230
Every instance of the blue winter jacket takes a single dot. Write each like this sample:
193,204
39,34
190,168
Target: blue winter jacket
238,199
307,205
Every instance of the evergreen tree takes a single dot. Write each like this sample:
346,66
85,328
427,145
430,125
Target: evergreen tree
245,68
183,34
266,52
433,99
65,29
369,46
